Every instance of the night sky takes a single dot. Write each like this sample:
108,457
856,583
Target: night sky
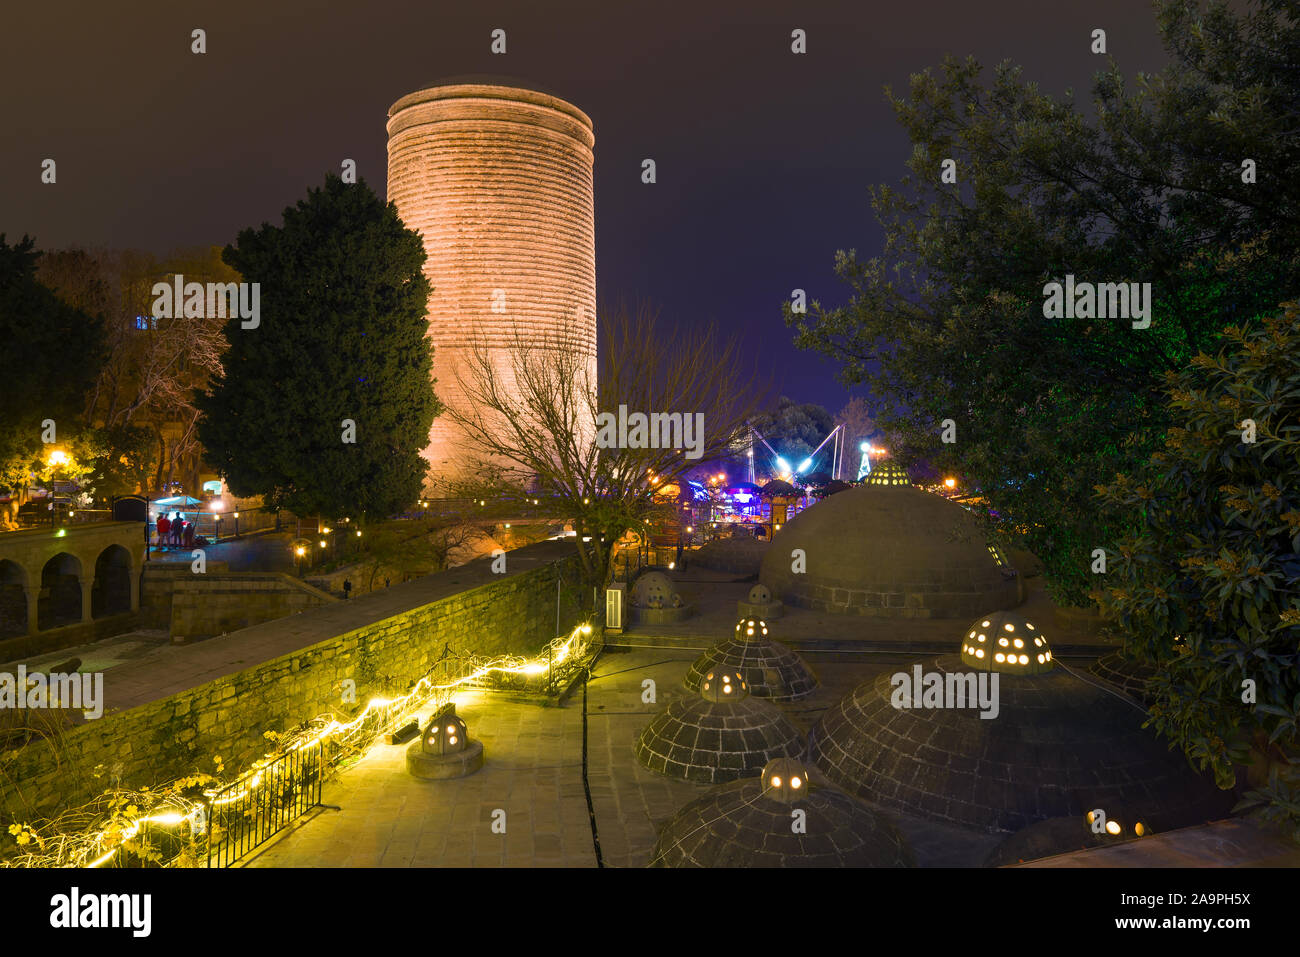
764,157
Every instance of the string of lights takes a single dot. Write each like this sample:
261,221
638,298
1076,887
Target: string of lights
96,843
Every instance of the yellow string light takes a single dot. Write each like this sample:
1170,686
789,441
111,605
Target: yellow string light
407,706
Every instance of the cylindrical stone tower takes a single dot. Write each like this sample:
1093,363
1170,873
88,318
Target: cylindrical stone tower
498,180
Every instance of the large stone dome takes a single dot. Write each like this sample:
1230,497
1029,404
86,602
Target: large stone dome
1058,746
748,824
892,551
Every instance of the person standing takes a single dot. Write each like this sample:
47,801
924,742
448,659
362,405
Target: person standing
164,529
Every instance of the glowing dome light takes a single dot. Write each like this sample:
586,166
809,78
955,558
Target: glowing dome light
1012,656
888,473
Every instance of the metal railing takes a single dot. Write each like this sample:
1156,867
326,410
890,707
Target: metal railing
257,806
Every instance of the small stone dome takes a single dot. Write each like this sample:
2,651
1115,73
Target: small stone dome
760,595
769,668
1008,643
750,823
717,736
1058,746
891,551
653,590
888,472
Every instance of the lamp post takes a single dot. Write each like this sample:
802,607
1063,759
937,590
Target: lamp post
300,551
236,525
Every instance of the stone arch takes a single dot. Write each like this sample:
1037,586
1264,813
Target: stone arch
111,593
13,599
60,598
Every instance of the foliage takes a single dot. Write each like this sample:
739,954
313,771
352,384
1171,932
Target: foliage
1214,561
342,336
531,425
51,354
948,322
794,430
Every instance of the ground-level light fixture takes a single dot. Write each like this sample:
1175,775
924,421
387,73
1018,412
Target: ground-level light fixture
950,483
444,749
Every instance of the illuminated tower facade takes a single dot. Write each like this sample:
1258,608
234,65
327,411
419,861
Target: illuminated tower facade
498,181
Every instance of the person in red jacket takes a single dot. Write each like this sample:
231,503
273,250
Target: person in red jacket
164,527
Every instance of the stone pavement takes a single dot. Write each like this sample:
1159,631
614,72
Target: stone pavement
533,772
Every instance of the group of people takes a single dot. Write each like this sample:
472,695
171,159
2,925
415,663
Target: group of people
175,529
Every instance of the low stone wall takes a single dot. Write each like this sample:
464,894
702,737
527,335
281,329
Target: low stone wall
373,641
206,605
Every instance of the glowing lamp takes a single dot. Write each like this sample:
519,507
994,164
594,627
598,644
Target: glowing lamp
785,780
950,483
1007,643
1122,824
720,685
888,473
445,732
444,749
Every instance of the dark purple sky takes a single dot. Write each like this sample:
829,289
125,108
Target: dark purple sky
764,157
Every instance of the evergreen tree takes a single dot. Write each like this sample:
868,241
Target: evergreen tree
949,323
341,338
50,355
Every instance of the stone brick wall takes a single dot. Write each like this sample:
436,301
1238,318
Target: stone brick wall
164,739
206,605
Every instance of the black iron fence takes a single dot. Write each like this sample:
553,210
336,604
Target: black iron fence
253,809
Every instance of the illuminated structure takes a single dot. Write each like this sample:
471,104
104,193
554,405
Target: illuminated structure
748,824
769,668
1060,835
1059,746
498,180
888,473
718,735
444,749
1008,643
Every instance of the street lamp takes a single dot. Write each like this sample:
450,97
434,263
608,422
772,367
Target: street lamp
300,551
236,525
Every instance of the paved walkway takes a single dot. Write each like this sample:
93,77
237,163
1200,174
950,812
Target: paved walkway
533,772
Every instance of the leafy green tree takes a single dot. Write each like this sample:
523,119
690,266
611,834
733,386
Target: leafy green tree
341,337
948,323
50,353
1207,587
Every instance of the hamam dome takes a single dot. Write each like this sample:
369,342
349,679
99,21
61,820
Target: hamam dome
1058,746
717,735
889,550
747,824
